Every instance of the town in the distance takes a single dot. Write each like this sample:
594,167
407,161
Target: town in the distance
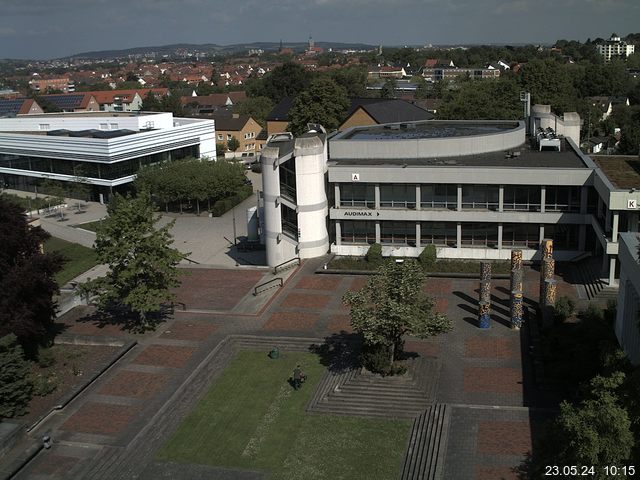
321,260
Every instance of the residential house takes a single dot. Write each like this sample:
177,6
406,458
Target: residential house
383,71
607,104
39,84
73,102
244,128
125,100
12,107
208,104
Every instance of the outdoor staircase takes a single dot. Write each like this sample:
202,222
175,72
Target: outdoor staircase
585,274
424,458
358,392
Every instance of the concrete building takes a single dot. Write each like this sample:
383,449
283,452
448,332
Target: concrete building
445,73
106,149
615,47
39,84
475,189
628,307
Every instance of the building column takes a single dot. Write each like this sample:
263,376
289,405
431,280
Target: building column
418,197
543,199
614,230
500,201
582,237
612,271
338,233
418,234
336,194
458,235
376,196
605,257
459,198
607,220
584,195
377,232
499,236
541,234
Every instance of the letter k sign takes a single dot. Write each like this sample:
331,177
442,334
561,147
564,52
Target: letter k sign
632,204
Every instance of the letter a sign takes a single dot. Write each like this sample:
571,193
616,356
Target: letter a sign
355,177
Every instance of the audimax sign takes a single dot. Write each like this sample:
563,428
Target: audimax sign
360,213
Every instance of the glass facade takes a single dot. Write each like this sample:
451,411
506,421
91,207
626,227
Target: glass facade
523,198
562,199
398,196
439,196
357,195
287,173
438,233
398,233
358,232
289,222
104,171
480,235
483,197
565,237
525,235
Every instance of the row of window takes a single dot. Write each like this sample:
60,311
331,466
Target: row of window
483,197
445,234
104,171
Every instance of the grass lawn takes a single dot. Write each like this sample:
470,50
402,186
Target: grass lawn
252,418
91,226
79,258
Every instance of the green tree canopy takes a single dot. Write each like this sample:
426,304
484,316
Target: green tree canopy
324,102
233,144
483,100
142,263
388,89
287,80
392,305
257,108
15,382
27,283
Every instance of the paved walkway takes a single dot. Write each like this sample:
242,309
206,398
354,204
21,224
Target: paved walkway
114,429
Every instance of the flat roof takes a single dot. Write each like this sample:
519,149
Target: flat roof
623,171
429,129
526,156
88,114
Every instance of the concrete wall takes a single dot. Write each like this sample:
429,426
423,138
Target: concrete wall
626,326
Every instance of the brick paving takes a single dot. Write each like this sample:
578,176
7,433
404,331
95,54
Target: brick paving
483,374
128,383
100,418
55,465
215,289
165,356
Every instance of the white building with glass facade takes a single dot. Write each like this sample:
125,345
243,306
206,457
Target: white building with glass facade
475,189
106,150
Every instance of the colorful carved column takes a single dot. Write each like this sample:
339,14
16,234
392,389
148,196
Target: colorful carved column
547,271
485,271
547,247
484,315
551,288
517,310
516,259
485,291
517,280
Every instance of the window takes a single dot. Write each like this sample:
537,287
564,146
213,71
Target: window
479,234
483,197
288,179
398,233
439,196
525,198
398,196
229,136
220,137
358,232
565,237
357,195
562,199
520,235
113,126
104,126
439,233
289,222
45,126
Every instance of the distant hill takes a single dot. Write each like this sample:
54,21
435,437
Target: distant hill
212,48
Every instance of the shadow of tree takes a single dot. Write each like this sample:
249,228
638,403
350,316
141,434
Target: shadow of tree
119,315
339,352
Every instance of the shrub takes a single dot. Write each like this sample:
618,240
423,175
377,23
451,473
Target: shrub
15,381
610,311
224,205
428,255
44,384
374,254
375,358
45,358
564,307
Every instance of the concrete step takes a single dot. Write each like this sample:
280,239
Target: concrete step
367,411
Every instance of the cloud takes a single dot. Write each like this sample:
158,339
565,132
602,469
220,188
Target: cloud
7,31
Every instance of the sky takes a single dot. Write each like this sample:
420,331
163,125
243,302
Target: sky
43,29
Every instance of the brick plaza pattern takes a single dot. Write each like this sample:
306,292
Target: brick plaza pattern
135,384
493,380
100,418
165,356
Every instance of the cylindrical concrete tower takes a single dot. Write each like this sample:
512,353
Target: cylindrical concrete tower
311,165
272,213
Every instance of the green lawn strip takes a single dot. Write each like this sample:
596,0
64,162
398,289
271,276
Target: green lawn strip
79,258
251,418
91,226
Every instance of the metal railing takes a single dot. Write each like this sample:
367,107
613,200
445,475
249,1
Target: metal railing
269,282
287,264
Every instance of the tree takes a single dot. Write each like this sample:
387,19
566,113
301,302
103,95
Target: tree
15,381
392,305
233,144
27,283
324,102
142,263
482,100
150,103
287,80
257,108
595,432
388,89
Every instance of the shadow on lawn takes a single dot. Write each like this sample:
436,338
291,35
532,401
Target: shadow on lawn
339,352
